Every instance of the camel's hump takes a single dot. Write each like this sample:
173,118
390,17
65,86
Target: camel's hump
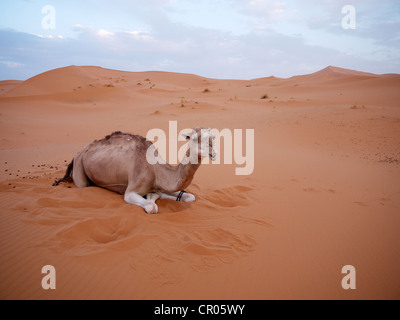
119,137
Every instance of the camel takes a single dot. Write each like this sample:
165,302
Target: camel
130,165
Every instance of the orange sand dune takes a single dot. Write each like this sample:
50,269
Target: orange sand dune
324,193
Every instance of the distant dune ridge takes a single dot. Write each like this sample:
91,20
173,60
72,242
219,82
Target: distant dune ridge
324,193
62,79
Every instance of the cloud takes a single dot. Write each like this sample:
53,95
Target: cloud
141,35
267,9
49,36
11,64
223,39
175,47
375,20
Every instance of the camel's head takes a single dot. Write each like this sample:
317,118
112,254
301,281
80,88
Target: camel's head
202,141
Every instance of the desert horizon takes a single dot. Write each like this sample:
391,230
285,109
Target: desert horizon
328,70
324,192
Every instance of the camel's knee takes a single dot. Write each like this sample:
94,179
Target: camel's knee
152,197
79,175
80,179
136,199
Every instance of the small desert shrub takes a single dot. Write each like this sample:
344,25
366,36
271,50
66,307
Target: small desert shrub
265,96
206,90
354,106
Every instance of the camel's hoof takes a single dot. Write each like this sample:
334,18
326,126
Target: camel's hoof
187,197
151,208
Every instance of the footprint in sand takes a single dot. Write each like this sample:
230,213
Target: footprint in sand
230,197
201,250
362,204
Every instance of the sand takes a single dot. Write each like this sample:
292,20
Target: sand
325,191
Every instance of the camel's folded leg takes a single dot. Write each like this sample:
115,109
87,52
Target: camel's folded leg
186,197
152,197
78,173
136,199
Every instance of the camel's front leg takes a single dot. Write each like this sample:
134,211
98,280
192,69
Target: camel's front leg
152,197
136,199
186,197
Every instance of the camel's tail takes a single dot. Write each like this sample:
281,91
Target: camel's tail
68,175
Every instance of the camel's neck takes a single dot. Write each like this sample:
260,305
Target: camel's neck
171,179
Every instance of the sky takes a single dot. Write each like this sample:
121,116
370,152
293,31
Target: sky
235,39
